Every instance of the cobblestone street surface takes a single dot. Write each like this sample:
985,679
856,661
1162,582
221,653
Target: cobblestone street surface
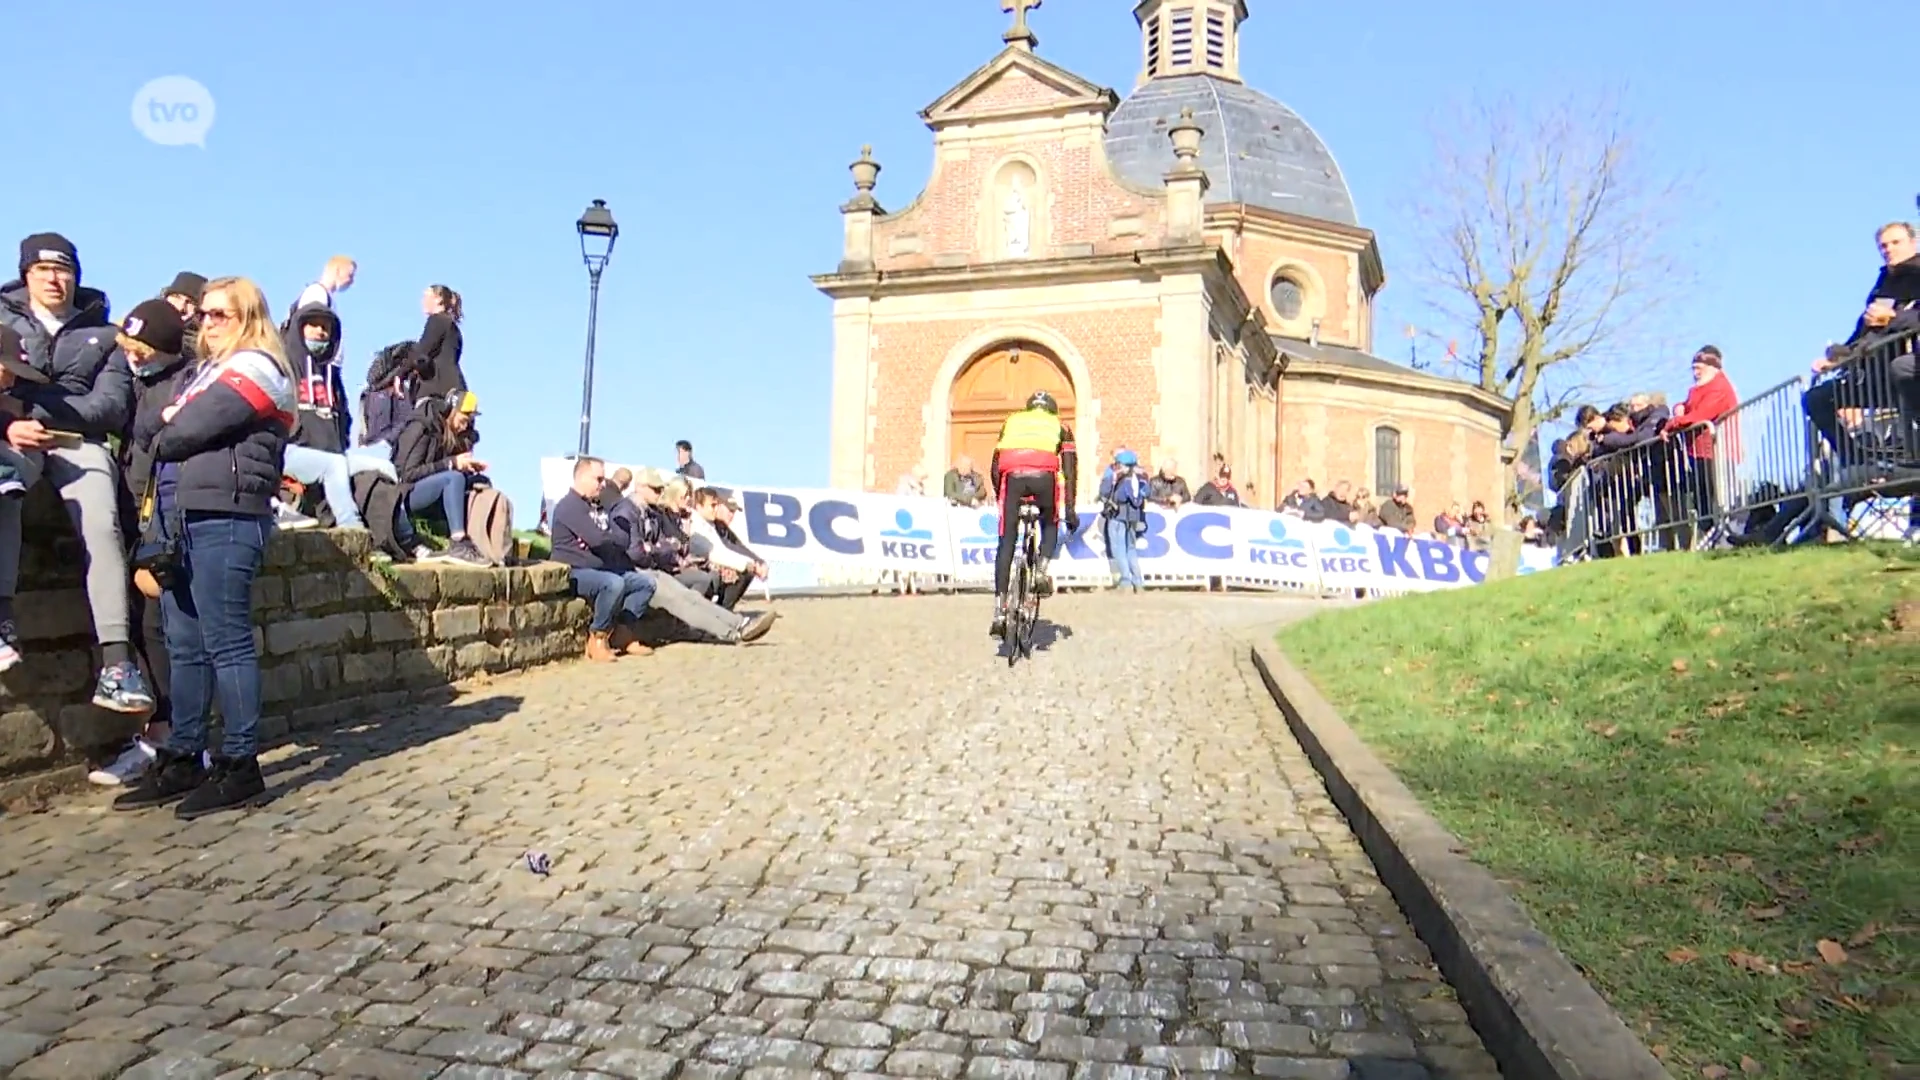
863,846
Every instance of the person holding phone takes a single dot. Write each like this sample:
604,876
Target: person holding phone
1893,305
66,337
437,467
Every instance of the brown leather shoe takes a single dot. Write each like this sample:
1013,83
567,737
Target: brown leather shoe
598,649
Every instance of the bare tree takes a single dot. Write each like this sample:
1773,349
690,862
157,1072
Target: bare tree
1548,238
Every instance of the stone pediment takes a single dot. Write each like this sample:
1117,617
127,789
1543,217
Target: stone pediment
1017,84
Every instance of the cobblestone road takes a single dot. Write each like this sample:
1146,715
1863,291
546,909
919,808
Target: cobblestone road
863,846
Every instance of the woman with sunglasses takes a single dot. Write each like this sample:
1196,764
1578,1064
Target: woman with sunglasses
218,448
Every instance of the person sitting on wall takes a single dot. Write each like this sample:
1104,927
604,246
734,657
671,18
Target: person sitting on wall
436,470
735,564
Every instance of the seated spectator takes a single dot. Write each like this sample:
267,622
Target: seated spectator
1450,526
912,482
387,403
733,562
1711,398
1531,532
218,446
1337,505
1364,510
964,486
63,435
586,538
1218,491
1862,381
433,364
151,342
1478,527
1168,488
689,468
316,453
1302,501
1397,512
436,469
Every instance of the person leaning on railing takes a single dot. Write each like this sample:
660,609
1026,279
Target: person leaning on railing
1865,373
1711,397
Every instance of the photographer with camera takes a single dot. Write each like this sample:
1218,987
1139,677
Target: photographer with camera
1123,513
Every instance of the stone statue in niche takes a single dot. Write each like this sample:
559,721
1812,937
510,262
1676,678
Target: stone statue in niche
1014,217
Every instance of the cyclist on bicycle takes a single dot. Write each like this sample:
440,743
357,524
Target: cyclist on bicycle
1034,454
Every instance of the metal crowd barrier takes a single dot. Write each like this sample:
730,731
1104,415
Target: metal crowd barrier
1655,496
1842,454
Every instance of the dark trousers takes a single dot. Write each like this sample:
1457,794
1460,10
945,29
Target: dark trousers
208,615
731,595
152,646
1016,488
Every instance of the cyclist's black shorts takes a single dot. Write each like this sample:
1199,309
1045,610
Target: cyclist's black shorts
1014,487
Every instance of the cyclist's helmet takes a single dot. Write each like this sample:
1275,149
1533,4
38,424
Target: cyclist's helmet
1043,400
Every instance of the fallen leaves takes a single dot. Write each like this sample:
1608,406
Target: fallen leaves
1605,731
1765,914
1864,936
1831,951
1740,864
1714,1072
1753,962
1859,844
1750,1066
1681,736
1679,665
1682,955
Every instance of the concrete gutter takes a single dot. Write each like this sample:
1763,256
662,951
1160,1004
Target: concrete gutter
1538,1016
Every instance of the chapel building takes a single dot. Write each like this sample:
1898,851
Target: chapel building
1182,268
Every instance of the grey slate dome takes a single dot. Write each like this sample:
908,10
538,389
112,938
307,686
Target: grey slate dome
1254,149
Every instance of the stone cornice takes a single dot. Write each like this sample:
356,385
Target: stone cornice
1076,93
1408,381
1260,221
1146,264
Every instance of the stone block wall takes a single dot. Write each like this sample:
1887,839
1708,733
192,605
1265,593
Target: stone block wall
339,637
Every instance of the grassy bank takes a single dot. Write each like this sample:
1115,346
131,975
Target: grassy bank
1697,774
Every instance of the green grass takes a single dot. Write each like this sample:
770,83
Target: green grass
1692,771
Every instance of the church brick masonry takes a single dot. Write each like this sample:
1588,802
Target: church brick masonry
1184,269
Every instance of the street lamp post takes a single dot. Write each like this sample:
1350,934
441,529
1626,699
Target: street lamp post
597,234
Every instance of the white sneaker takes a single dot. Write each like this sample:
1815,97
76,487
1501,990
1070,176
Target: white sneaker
286,517
125,769
423,553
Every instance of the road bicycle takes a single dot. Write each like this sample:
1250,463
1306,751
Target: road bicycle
1023,600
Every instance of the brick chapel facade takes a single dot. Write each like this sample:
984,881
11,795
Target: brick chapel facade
1183,269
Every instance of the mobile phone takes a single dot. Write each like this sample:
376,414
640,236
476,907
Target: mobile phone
1881,303
67,439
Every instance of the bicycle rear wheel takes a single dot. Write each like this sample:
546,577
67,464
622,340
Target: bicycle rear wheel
1030,613
1010,631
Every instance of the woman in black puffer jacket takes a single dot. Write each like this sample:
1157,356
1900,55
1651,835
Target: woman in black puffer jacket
218,448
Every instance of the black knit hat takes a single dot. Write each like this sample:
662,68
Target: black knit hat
49,247
155,324
188,284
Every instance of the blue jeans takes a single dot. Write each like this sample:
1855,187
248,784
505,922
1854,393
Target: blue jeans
613,595
1121,554
449,490
310,466
208,619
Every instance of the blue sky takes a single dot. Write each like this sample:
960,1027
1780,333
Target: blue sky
436,148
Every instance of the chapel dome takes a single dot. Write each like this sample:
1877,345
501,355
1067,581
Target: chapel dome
1254,150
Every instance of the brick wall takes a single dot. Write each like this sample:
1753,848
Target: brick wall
1254,263
338,638
1083,198
1329,443
1116,344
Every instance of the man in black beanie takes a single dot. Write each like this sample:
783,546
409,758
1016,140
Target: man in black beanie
184,294
66,338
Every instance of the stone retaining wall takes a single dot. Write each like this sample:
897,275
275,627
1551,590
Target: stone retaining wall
339,638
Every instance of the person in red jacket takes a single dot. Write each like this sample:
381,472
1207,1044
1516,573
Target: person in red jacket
1710,401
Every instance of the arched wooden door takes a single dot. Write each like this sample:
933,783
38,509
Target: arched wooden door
995,384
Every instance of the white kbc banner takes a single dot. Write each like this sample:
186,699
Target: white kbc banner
914,534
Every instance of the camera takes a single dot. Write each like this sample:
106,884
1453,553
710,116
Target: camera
160,557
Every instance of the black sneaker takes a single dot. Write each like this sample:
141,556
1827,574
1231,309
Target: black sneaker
756,627
462,552
231,783
170,777
9,645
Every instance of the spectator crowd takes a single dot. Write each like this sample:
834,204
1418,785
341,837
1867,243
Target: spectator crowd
1639,476
180,437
